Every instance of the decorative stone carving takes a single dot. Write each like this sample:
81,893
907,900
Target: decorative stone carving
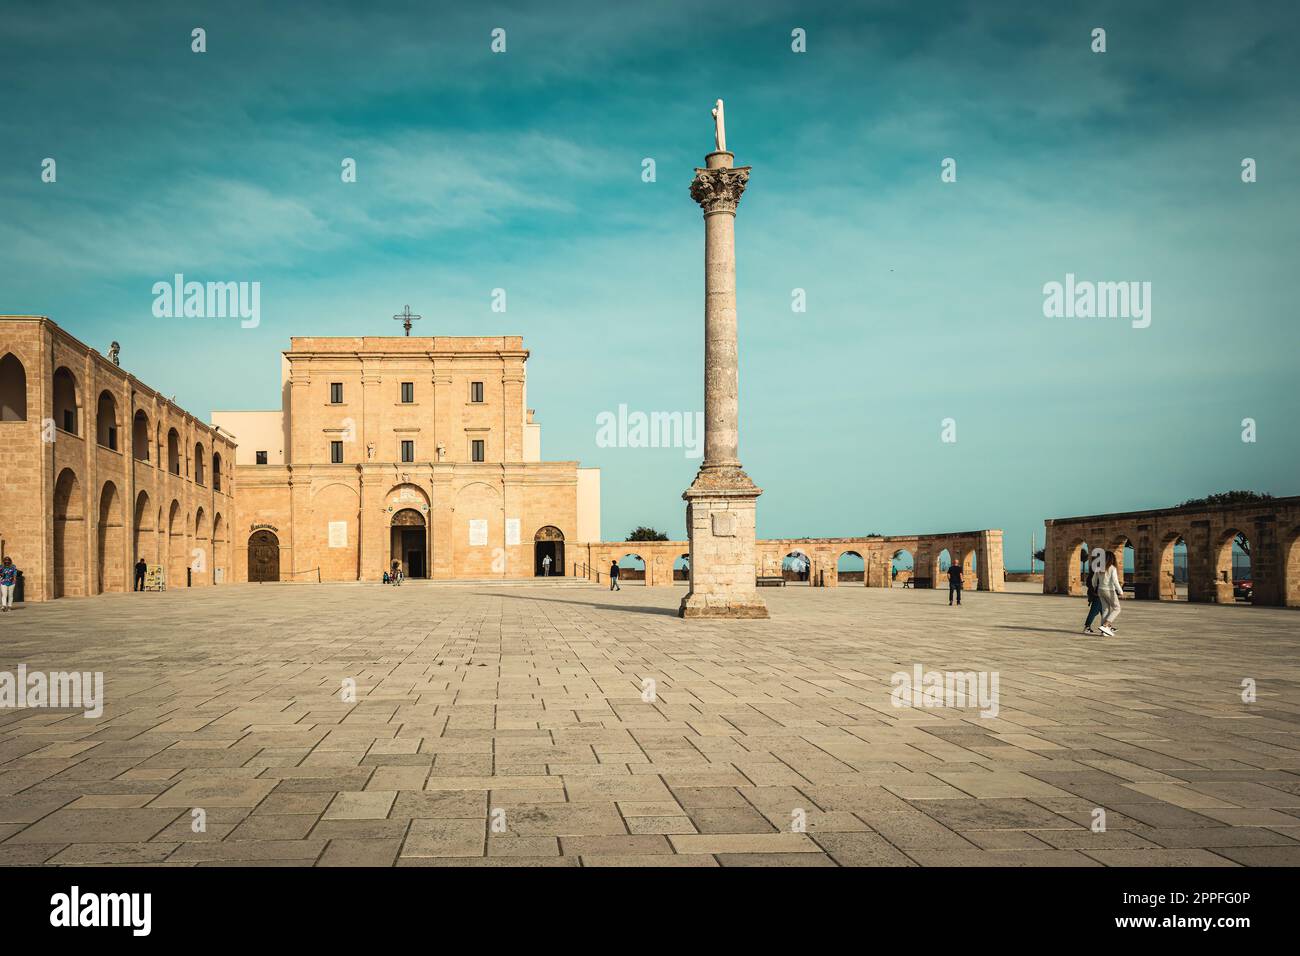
719,190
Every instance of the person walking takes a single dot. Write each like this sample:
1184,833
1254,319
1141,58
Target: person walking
954,583
396,574
1110,590
1094,602
546,566
8,580
140,569
613,576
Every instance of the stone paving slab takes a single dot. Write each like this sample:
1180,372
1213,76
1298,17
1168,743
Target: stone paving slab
508,728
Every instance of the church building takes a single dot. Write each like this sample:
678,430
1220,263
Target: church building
418,452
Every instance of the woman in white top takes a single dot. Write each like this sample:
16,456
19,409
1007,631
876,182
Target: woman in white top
1110,589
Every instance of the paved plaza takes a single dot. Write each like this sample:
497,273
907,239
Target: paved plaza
507,726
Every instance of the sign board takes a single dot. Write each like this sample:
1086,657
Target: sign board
512,531
153,578
478,532
338,534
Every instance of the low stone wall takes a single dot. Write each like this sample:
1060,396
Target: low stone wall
1271,527
980,553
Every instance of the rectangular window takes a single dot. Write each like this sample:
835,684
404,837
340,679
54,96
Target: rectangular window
408,393
261,458
408,450
336,393
336,452
476,391
476,449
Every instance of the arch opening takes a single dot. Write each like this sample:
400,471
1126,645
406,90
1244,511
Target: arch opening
1171,569
140,436
106,421
69,537
65,400
13,389
850,568
1233,580
796,568
902,564
631,569
263,557
682,569
408,543
548,552
145,543
110,575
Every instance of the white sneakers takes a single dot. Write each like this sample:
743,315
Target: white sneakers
1107,631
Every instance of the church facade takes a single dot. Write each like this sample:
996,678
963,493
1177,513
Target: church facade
411,452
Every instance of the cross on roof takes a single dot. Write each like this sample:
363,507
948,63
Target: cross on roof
406,318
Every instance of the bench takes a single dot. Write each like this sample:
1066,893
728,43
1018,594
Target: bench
770,581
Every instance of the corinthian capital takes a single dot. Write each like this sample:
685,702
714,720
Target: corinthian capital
718,190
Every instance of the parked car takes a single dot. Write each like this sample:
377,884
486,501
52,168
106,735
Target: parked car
1243,590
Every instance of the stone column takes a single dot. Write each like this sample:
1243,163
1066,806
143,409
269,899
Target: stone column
721,502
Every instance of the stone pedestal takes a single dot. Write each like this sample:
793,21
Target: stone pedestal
721,502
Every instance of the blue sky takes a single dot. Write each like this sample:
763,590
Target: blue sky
523,171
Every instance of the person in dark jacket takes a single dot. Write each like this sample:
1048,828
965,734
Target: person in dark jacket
613,576
1094,599
954,582
140,569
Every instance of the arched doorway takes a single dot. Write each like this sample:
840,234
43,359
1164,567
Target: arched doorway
1171,569
939,570
631,569
218,549
850,568
1233,581
970,568
796,568
1077,559
682,569
548,543
145,544
199,550
177,559
69,537
1125,562
901,565
408,543
263,556
110,573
